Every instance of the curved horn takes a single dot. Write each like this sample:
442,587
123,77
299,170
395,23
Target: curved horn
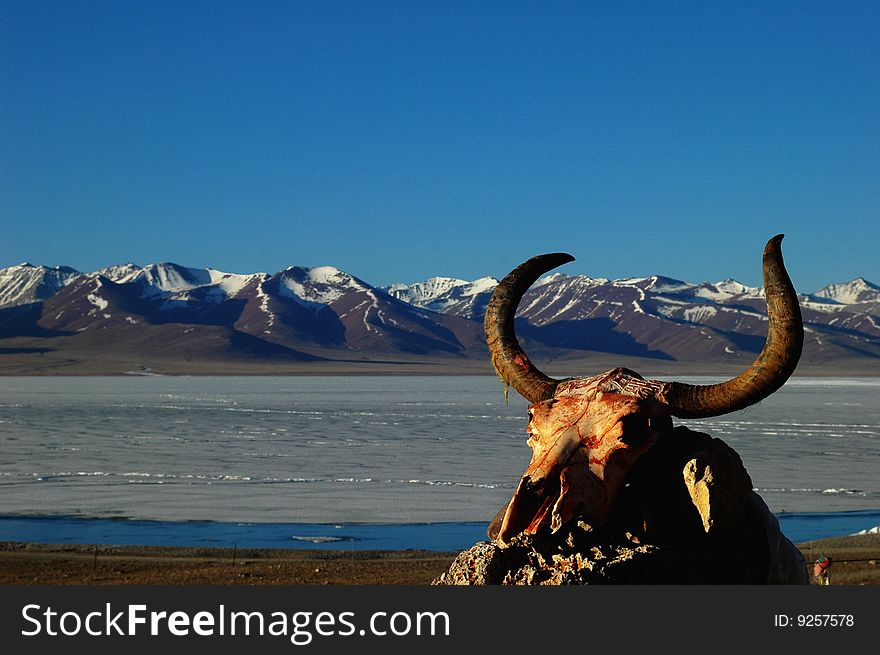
777,361
510,362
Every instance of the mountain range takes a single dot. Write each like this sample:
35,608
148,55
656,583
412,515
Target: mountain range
57,319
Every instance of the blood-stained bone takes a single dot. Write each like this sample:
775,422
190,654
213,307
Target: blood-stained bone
586,433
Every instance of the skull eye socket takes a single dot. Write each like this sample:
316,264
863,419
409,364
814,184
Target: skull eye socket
636,428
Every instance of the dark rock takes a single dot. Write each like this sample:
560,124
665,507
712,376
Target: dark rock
687,515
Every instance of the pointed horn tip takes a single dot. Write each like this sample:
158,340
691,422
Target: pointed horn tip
774,245
555,258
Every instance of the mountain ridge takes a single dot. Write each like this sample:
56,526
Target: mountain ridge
326,314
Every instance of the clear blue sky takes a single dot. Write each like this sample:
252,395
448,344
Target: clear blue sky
401,140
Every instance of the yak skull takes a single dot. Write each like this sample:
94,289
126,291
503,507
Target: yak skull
584,441
586,433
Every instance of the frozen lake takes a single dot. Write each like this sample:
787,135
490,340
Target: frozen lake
380,450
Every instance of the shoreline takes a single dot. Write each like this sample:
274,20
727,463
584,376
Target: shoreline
856,562
16,360
391,370
442,536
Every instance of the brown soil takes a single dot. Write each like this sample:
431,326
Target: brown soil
40,564
855,563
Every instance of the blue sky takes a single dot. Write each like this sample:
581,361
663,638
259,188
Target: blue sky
401,140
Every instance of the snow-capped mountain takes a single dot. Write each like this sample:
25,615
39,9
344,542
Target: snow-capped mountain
318,312
172,281
324,312
425,293
448,295
856,292
121,273
662,317
318,287
334,309
25,283
557,296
